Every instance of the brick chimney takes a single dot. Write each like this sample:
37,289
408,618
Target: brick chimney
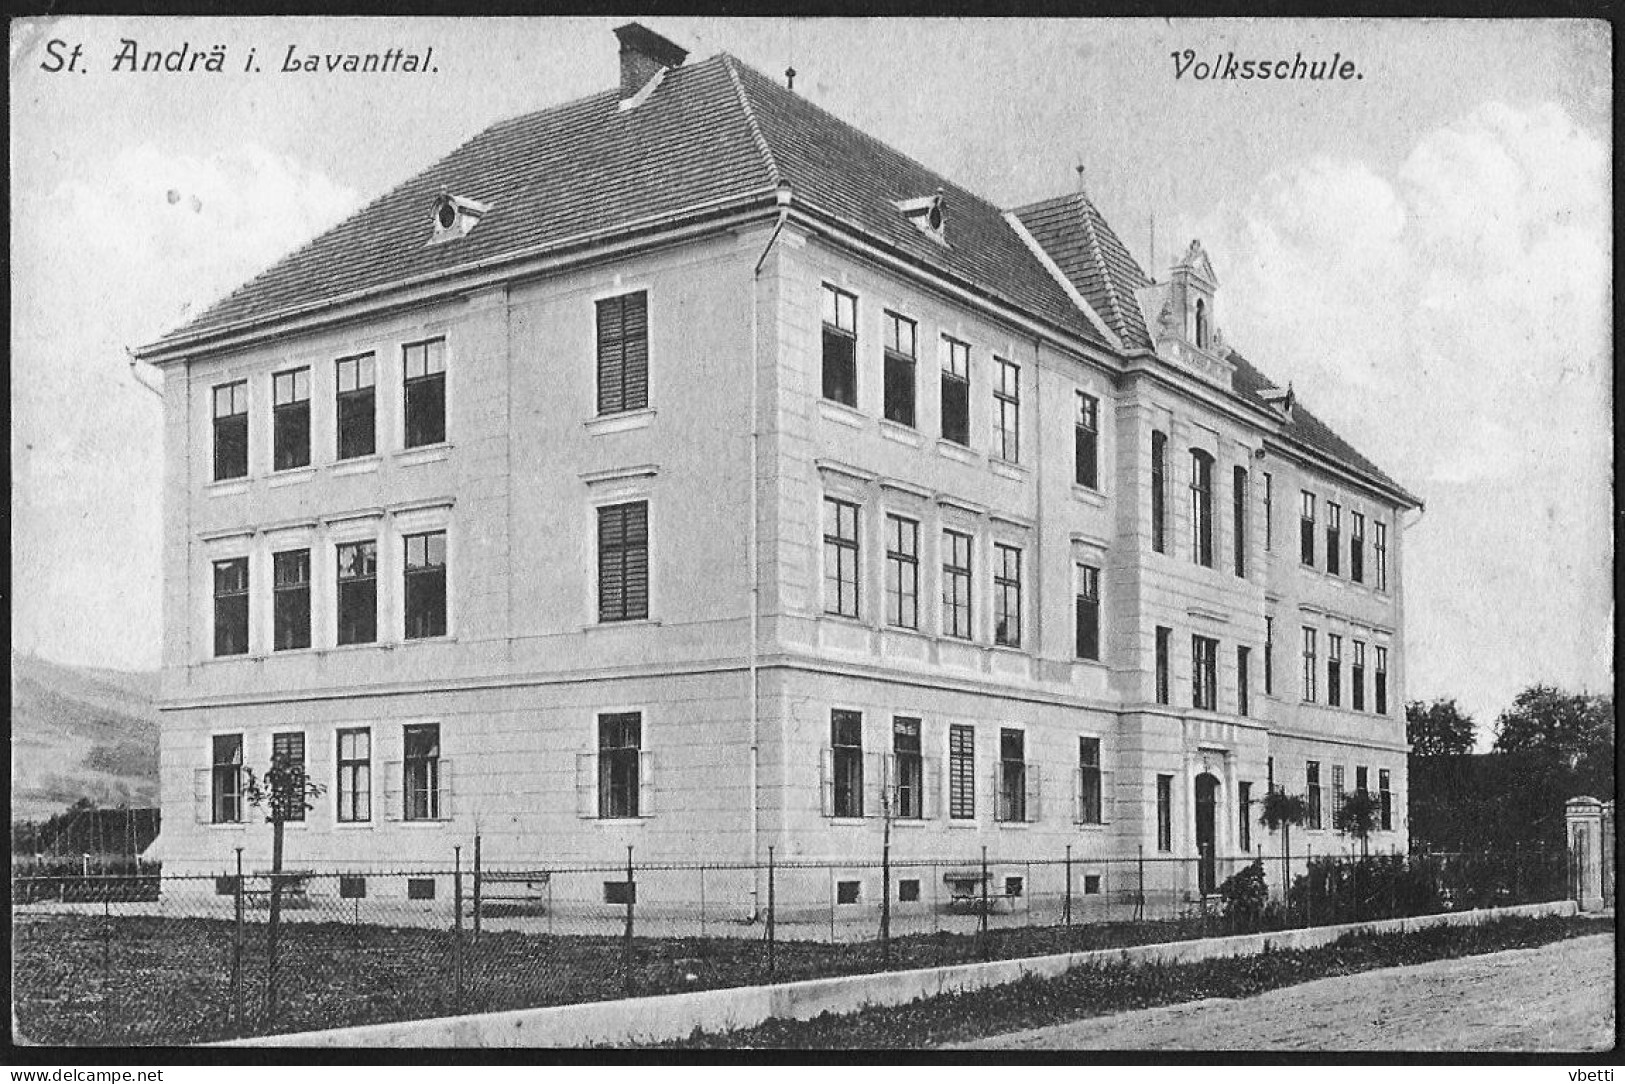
644,55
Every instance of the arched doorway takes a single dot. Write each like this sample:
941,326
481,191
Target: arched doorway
1207,787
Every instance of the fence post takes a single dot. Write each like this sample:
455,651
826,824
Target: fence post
478,875
981,925
237,952
702,901
772,917
1139,894
457,922
885,892
1308,884
1066,908
831,904
631,897
107,960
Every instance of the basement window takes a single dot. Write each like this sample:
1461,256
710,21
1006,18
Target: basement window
846,892
420,888
352,887
620,893
908,891
1091,884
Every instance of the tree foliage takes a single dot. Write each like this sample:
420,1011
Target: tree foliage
1575,730
1438,729
1358,816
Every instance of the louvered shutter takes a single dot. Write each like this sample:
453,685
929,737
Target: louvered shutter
586,785
447,791
932,805
1035,793
609,356
826,782
874,780
393,800
1078,812
611,571
635,351
1108,796
646,782
202,784
636,561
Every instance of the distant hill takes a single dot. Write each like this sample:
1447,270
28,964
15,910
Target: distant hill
80,732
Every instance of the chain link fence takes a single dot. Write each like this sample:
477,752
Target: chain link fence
147,958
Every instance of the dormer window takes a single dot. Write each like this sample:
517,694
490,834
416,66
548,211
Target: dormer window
1201,324
928,215
455,216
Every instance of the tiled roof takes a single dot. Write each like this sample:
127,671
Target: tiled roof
710,131
1076,236
1096,262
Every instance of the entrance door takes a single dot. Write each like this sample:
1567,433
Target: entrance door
1206,811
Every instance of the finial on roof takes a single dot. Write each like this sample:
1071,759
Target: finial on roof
1081,171
790,76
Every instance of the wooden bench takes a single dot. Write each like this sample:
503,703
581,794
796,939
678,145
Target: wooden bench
513,891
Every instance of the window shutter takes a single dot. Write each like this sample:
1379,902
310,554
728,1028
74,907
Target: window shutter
447,790
1108,796
201,784
1035,793
635,351
392,790
874,782
888,784
637,560
826,782
609,356
932,805
586,785
646,785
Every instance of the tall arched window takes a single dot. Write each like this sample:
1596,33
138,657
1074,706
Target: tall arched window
1201,323
1201,507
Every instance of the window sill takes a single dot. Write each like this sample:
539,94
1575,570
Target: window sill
1007,649
1006,469
235,826
352,826
952,449
902,434
428,453
848,822
1088,496
1087,826
229,487
361,464
291,477
620,423
963,823
640,623
840,412
619,820
421,825
1019,825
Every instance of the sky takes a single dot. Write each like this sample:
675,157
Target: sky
1424,251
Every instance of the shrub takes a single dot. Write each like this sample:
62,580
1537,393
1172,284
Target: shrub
1245,897
1385,886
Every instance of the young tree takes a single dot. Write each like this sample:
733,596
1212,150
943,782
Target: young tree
285,792
1438,729
1359,816
1280,811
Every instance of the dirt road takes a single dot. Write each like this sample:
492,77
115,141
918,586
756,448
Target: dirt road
1557,997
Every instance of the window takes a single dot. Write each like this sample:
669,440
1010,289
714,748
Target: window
1007,412
425,586
358,592
1238,531
1012,775
1089,780
1165,813
847,892
902,572
352,887
1311,777
840,346
1334,670
956,392
355,775
1244,665
290,574
420,888
1310,661
908,779
620,741
620,893
1202,508
623,562
290,419
1334,537
1381,687
846,744
422,771
1269,511
623,353
1338,791
231,607
898,405
1362,780
1088,616
961,772
1086,442
1204,673
355,406
956,612
231,431
1165,637
1385,792
1014,886
1269,656
1091,884
425,392
226,776
1244,822
1269,768
1357,547
1306,528
840,558
226,885
1006,595
908,890
1357,676
1201,323
289,748
1380,544
1159,493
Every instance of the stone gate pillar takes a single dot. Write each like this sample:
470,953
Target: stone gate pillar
1585,852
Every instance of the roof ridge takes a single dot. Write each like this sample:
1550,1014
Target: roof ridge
773,174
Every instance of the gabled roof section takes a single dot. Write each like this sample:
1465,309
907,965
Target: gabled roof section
550,176
1093,258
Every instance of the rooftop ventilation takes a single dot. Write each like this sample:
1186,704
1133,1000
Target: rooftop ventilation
645,56
455,216
1280,400
928,213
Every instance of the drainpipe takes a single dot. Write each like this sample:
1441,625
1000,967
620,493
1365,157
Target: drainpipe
754,552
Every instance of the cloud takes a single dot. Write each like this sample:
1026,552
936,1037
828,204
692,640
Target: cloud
99,264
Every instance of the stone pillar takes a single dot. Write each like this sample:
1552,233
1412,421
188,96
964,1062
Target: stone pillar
1585,835
1608,853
